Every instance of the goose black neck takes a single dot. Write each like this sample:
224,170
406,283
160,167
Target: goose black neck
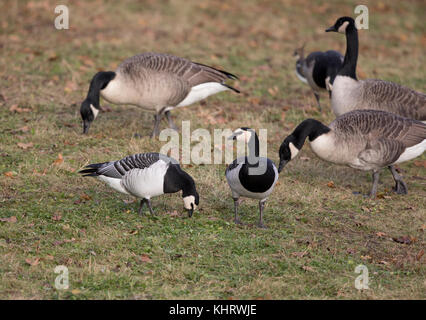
351,55
99,82
253,145
176,180
310,128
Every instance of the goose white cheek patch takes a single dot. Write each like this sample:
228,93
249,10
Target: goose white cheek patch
342,28
187,202
94,110
294,151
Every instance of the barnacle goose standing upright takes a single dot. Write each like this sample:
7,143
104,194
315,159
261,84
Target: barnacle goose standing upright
318,69
352,94
154,81
362,139
146,175
251,176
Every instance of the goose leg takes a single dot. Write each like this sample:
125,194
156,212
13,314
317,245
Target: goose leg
156,131
148,202
400,186
261,207
318,100
236,204
141,206
169,119
373,191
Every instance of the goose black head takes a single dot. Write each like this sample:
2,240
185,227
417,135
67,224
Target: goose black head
90,107
341,25
288,151
191,202
88,114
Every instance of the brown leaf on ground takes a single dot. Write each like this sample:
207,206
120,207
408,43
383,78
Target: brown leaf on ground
380,234
172,213
23,129
308,268
85,197
420,163
300,254
420,254
32,262
405,239
59,160
145,258
25,146
11,219
15,108
330,184
8,174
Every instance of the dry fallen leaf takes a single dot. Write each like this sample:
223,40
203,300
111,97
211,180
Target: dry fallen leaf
308,268
145,258
330,184
11,219
300,254
25,146
420,163
32,262
15,108
59,160
8,174
420,255
380,234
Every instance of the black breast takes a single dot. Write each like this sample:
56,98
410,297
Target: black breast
257,182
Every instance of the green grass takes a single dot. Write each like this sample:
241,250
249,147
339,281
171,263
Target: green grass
317,235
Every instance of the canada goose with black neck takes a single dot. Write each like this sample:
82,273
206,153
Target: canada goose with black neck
362,139
251,176
349,93
156,82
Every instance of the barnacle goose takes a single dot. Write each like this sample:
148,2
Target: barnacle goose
251,176
146,175
318,69
352,94
362,139
156,82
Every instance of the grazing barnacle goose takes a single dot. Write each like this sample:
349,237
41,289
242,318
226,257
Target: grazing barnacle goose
352,94
146,175
251,176
156,82
362,139
318,69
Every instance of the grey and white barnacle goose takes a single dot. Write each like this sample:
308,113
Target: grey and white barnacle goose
362,139
156,82
251,176
352,94
318,69
146,175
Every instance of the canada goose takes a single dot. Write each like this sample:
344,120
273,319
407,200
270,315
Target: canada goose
361,139
146,175
253,176
318,69
154,81
352,94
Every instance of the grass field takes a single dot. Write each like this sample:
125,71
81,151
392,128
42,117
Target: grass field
319,231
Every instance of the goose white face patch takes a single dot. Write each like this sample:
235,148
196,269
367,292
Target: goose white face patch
242,135
187,202
94,110
342,28
293,150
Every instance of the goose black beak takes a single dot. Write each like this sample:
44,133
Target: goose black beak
331,29
86,126
282,165
190,212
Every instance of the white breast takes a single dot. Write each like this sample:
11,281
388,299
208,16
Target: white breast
201,91
346,95
237,188
146,183
412,152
